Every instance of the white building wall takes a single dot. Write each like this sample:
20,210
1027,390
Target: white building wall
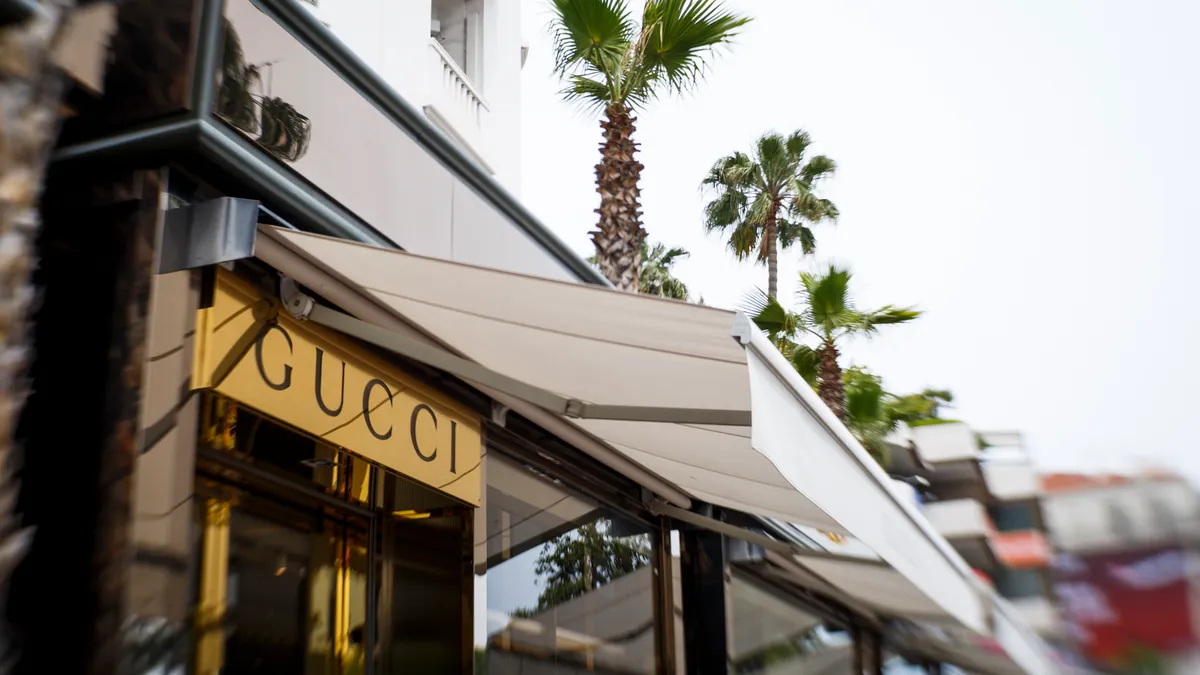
1123,515
393,36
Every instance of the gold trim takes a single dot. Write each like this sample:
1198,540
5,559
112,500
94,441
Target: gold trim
214,589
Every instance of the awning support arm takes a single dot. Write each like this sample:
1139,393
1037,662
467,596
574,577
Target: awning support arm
474,372
662,508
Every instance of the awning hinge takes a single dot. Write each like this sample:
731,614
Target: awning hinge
295,301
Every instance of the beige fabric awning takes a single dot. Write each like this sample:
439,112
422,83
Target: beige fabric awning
642,375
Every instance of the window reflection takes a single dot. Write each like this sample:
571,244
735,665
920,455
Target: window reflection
568,586
774,636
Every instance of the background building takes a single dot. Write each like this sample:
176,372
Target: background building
980,491
1125,572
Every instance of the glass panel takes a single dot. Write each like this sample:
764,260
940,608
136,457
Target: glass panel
1013,517
283,98
281,597
898,665
296,455
568,586
1012,583
283,578
422,610
773,635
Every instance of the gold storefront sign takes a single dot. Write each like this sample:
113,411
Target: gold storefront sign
321,383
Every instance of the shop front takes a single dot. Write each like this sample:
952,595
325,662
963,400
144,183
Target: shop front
300,449
351,523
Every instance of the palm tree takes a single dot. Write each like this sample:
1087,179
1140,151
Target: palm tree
767,198
828,314
614,65
873,413
655,277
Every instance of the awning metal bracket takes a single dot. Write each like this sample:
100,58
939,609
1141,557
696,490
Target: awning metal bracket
208,233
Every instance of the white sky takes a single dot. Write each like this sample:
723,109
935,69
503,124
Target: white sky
1024,171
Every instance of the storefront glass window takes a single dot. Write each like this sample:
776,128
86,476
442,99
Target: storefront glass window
898,665
567,586
773,635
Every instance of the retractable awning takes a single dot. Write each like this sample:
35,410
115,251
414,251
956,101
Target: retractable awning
694,395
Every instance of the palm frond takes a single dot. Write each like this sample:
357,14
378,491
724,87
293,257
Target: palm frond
945,396
677,34
827,296
586,91
814,209
724,211
792,233
797,143
807,363
655,274
887,315
817,168
592,32
772,154
732,172
770,316
668,258
744,240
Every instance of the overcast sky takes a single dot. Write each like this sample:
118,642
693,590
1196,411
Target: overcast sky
1023,171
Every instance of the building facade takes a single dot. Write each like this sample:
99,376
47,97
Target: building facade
1125,570
981,492
315,394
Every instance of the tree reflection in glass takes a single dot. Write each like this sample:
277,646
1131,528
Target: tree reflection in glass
567,590
274,124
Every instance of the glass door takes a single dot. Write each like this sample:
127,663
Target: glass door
293,586
283,577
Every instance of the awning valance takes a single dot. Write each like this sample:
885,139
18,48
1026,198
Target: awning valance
643,375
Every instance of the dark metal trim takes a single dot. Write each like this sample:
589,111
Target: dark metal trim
321,42
265,476
15,11
208,53
281,189
173,134
371,628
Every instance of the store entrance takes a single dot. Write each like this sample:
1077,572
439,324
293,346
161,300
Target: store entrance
296,595
313,561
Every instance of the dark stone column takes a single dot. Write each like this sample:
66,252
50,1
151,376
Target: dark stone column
704,576
868,651
81,425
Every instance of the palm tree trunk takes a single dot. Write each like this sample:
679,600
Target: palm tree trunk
31,87
619,234
772,241
829,383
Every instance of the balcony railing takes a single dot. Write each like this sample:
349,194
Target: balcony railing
958,518
1039,615
454,104
1011,480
